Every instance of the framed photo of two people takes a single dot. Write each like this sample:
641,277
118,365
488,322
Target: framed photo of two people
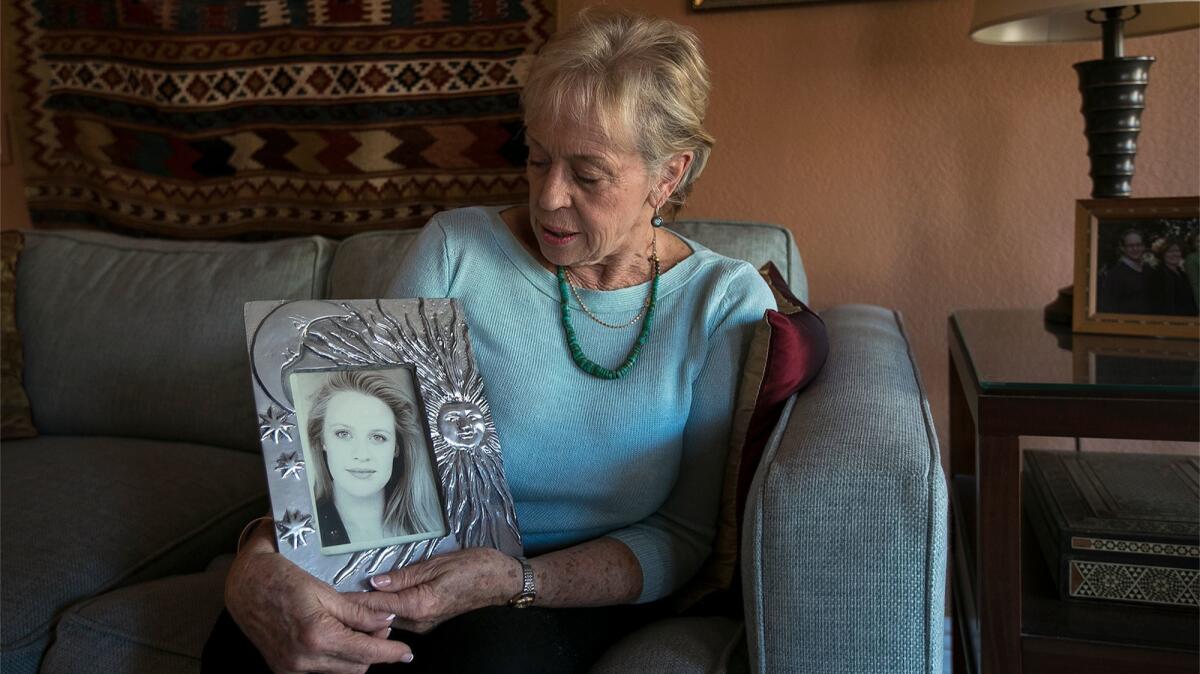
1137,267
377,437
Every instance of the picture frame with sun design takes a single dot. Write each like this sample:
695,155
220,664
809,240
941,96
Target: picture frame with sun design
378,440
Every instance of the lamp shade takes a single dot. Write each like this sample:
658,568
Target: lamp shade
1031,21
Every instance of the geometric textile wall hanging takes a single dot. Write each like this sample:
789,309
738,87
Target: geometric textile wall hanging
220,118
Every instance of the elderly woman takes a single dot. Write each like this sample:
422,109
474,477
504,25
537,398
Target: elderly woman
611,348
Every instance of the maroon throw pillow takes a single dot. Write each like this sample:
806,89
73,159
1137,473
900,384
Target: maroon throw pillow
798,347
787,352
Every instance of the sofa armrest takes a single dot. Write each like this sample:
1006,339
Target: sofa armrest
844,543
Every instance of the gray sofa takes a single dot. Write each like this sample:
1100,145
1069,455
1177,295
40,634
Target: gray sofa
118,520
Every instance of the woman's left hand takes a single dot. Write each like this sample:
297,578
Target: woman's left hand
425,594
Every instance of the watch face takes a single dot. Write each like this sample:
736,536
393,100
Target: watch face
522,600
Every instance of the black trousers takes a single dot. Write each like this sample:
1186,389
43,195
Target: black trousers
494,639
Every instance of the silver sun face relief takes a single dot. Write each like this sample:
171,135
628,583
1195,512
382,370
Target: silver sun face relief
378,441
462,424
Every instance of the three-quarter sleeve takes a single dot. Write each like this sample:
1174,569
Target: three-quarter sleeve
672,543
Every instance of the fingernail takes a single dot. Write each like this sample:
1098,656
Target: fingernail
381,581
407,657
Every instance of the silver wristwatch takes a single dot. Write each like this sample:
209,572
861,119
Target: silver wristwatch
528,593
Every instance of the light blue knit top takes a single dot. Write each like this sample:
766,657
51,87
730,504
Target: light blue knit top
639,459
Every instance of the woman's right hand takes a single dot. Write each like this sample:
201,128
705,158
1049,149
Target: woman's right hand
299,623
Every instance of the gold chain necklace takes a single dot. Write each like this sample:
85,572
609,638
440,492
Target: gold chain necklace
572,282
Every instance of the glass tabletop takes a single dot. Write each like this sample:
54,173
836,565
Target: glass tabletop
1012,349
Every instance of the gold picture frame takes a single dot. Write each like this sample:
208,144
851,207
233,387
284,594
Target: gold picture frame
1130,285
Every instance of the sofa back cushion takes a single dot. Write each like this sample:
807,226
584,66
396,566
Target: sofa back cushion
145,338
755,242
364,264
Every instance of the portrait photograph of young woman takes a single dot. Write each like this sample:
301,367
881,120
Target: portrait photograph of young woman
371,469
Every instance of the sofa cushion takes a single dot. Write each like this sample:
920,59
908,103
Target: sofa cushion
84,515
24,660
364,264
158,627
15,419
145,338
692,645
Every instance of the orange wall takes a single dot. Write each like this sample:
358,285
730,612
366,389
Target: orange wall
918,170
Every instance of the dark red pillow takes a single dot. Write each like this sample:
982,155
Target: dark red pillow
796,352
788,350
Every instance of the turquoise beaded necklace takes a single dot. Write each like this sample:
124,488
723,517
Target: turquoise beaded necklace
587,364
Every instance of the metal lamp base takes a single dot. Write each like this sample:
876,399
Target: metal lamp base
1114,95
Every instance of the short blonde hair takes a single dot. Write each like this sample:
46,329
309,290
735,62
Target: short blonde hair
629,73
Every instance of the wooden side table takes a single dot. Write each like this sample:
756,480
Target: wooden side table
1011,377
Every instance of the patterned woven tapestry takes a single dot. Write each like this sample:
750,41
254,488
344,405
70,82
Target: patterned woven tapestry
218,118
